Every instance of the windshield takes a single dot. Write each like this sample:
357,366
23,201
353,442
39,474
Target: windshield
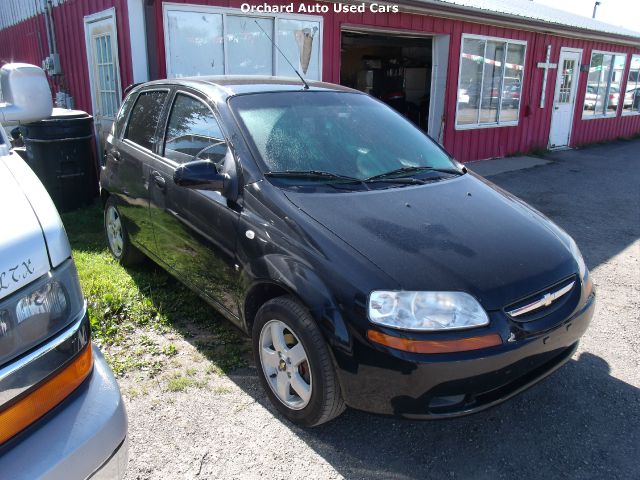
345,134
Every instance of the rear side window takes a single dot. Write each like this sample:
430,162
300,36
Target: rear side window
193,133
144,118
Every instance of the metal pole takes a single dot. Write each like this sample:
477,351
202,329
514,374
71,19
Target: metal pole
595,7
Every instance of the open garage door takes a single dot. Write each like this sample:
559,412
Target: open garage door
408,72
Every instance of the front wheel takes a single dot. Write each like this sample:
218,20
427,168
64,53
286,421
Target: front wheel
294,364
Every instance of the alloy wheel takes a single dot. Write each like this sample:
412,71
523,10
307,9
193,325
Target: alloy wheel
114,230
285,364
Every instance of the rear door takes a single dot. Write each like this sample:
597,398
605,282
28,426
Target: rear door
195,229
131,156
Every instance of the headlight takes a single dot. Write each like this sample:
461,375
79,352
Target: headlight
39,310
426,311
48,301
575,251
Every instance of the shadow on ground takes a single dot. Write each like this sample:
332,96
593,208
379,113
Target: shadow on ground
579,423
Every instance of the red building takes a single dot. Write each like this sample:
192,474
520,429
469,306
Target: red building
485,78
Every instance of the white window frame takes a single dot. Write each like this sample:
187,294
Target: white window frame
613,114
626,86
224,11
498,123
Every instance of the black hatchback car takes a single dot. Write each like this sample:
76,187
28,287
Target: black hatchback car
370,268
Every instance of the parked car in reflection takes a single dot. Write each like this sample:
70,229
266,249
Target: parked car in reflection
370,268
614,98
632,99
595,97
590,98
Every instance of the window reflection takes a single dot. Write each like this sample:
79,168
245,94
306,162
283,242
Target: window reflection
490,83
193,132
632,92
144,118
602,95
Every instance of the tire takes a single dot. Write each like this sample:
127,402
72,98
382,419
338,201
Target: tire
325,400
117,237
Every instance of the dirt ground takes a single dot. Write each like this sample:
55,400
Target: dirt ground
582,422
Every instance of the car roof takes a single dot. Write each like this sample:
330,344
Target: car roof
231,85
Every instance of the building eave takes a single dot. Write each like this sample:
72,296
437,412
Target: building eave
473,15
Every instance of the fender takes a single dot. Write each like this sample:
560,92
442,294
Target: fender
300,280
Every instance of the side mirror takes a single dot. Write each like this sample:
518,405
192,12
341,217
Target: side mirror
26,94
201,175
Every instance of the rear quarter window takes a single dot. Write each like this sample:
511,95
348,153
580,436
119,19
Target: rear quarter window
144,118
121,119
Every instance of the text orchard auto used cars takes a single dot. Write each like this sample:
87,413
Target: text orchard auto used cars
319,8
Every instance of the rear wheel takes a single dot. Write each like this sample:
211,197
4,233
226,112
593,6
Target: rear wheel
117,237
294,364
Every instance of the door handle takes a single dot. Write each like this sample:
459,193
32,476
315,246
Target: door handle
114,154
159,179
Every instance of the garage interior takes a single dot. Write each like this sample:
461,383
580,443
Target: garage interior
396,69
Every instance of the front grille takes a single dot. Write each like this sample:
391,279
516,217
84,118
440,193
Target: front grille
544,302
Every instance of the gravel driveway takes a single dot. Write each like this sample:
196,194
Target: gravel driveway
582,422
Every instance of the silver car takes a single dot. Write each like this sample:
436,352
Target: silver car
61,412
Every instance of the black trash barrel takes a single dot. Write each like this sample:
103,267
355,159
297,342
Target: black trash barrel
59,149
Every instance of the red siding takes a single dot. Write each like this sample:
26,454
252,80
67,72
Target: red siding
531,132
27,42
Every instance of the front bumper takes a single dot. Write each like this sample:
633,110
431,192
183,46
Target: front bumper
84,436
385,381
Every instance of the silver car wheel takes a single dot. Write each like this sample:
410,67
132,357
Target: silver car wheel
285,364
114,230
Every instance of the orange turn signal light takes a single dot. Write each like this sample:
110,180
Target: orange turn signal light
435,346
46,396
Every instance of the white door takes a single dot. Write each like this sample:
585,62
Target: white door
564,99
104,73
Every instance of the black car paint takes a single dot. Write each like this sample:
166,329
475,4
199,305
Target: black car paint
332,250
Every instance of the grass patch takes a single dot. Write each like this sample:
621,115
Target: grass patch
170,350
129,307
179,383
222,390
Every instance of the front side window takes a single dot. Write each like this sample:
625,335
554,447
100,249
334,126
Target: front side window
602,95
144,118
490,83
193,132
334,133
632,90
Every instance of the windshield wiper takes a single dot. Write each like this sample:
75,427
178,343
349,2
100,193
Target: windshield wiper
397,174
312,174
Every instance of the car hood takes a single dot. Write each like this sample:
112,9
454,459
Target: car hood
23,249
462,234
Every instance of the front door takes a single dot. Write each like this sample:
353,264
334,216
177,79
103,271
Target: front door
564,98
104,75
195,230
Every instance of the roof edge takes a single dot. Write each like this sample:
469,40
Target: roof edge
469,14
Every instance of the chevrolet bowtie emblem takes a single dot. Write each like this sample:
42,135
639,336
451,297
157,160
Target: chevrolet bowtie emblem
546,300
